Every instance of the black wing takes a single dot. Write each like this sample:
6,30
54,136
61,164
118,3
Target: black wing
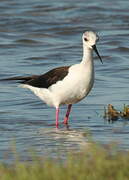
45,80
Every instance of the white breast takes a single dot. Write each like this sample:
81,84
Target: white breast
74,87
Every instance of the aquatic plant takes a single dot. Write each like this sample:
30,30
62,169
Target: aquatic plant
111,114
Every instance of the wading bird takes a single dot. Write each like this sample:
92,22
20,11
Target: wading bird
68,84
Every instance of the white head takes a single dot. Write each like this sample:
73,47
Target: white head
90,39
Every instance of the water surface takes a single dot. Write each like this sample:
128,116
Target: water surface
36,36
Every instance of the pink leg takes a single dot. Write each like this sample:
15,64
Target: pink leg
57,117
67,114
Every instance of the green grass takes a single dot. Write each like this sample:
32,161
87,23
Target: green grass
92,163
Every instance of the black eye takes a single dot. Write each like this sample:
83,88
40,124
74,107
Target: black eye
85,39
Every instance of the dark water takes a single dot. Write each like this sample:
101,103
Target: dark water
36,36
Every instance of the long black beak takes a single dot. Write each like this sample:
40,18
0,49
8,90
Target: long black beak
95,49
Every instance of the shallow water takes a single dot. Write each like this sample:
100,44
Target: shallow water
36,36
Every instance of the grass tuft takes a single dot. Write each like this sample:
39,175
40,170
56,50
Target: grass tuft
92,163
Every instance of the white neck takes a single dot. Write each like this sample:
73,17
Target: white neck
87,55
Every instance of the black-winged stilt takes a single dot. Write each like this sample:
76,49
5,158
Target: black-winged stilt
68,84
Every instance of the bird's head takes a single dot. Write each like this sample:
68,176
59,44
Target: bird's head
90,39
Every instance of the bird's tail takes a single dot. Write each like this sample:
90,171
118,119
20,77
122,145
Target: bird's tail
20,79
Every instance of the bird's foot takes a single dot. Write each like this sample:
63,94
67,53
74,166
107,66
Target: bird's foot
57,125
65,120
